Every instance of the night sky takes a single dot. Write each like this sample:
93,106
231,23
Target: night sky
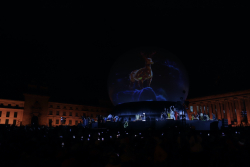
73,50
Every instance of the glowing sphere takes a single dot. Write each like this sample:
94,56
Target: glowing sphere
147,74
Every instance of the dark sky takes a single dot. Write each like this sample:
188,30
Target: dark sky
73,50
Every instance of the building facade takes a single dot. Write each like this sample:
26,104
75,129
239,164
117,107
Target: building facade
233,106
37,109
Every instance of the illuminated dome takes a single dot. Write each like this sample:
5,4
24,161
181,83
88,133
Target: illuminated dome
147,74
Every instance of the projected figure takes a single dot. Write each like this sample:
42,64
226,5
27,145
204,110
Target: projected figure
137,77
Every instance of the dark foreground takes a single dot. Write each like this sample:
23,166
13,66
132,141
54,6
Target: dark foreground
78,146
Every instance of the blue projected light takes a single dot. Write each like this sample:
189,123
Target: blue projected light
147,74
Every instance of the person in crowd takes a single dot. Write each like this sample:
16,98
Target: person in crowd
176,115
201,116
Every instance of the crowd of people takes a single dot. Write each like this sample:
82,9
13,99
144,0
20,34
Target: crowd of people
81,146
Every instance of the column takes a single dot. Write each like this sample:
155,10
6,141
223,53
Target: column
210,111
200,108
227,112
214,112
221,110
231,106
195,109
238,111
205,111
218,110
247,109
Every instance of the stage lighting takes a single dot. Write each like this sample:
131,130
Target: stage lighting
110,137
88,139
208,134
98,138
70,130
236,132
81,137
61,137
99,134
89,135
102,139
139,133
74,137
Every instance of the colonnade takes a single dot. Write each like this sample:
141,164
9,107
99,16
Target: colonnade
223,108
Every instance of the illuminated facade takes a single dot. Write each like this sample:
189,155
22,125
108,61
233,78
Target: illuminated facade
37,109
233,106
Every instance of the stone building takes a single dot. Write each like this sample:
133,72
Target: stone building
233,106
36,108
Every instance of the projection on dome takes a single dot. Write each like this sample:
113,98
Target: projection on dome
147,75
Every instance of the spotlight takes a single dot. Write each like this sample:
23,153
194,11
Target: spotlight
74,137
110,137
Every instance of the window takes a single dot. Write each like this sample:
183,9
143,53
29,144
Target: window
50,121
51,106
0,113
64,113
0,120
7,114
71,108
191,109
76,114
9,105
17,106
64,107
57,112
57,121
50,113
58,106
70,122
70,113
14,122
76,122
15,114
7,121
76,108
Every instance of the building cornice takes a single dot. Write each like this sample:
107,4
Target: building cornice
220,97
